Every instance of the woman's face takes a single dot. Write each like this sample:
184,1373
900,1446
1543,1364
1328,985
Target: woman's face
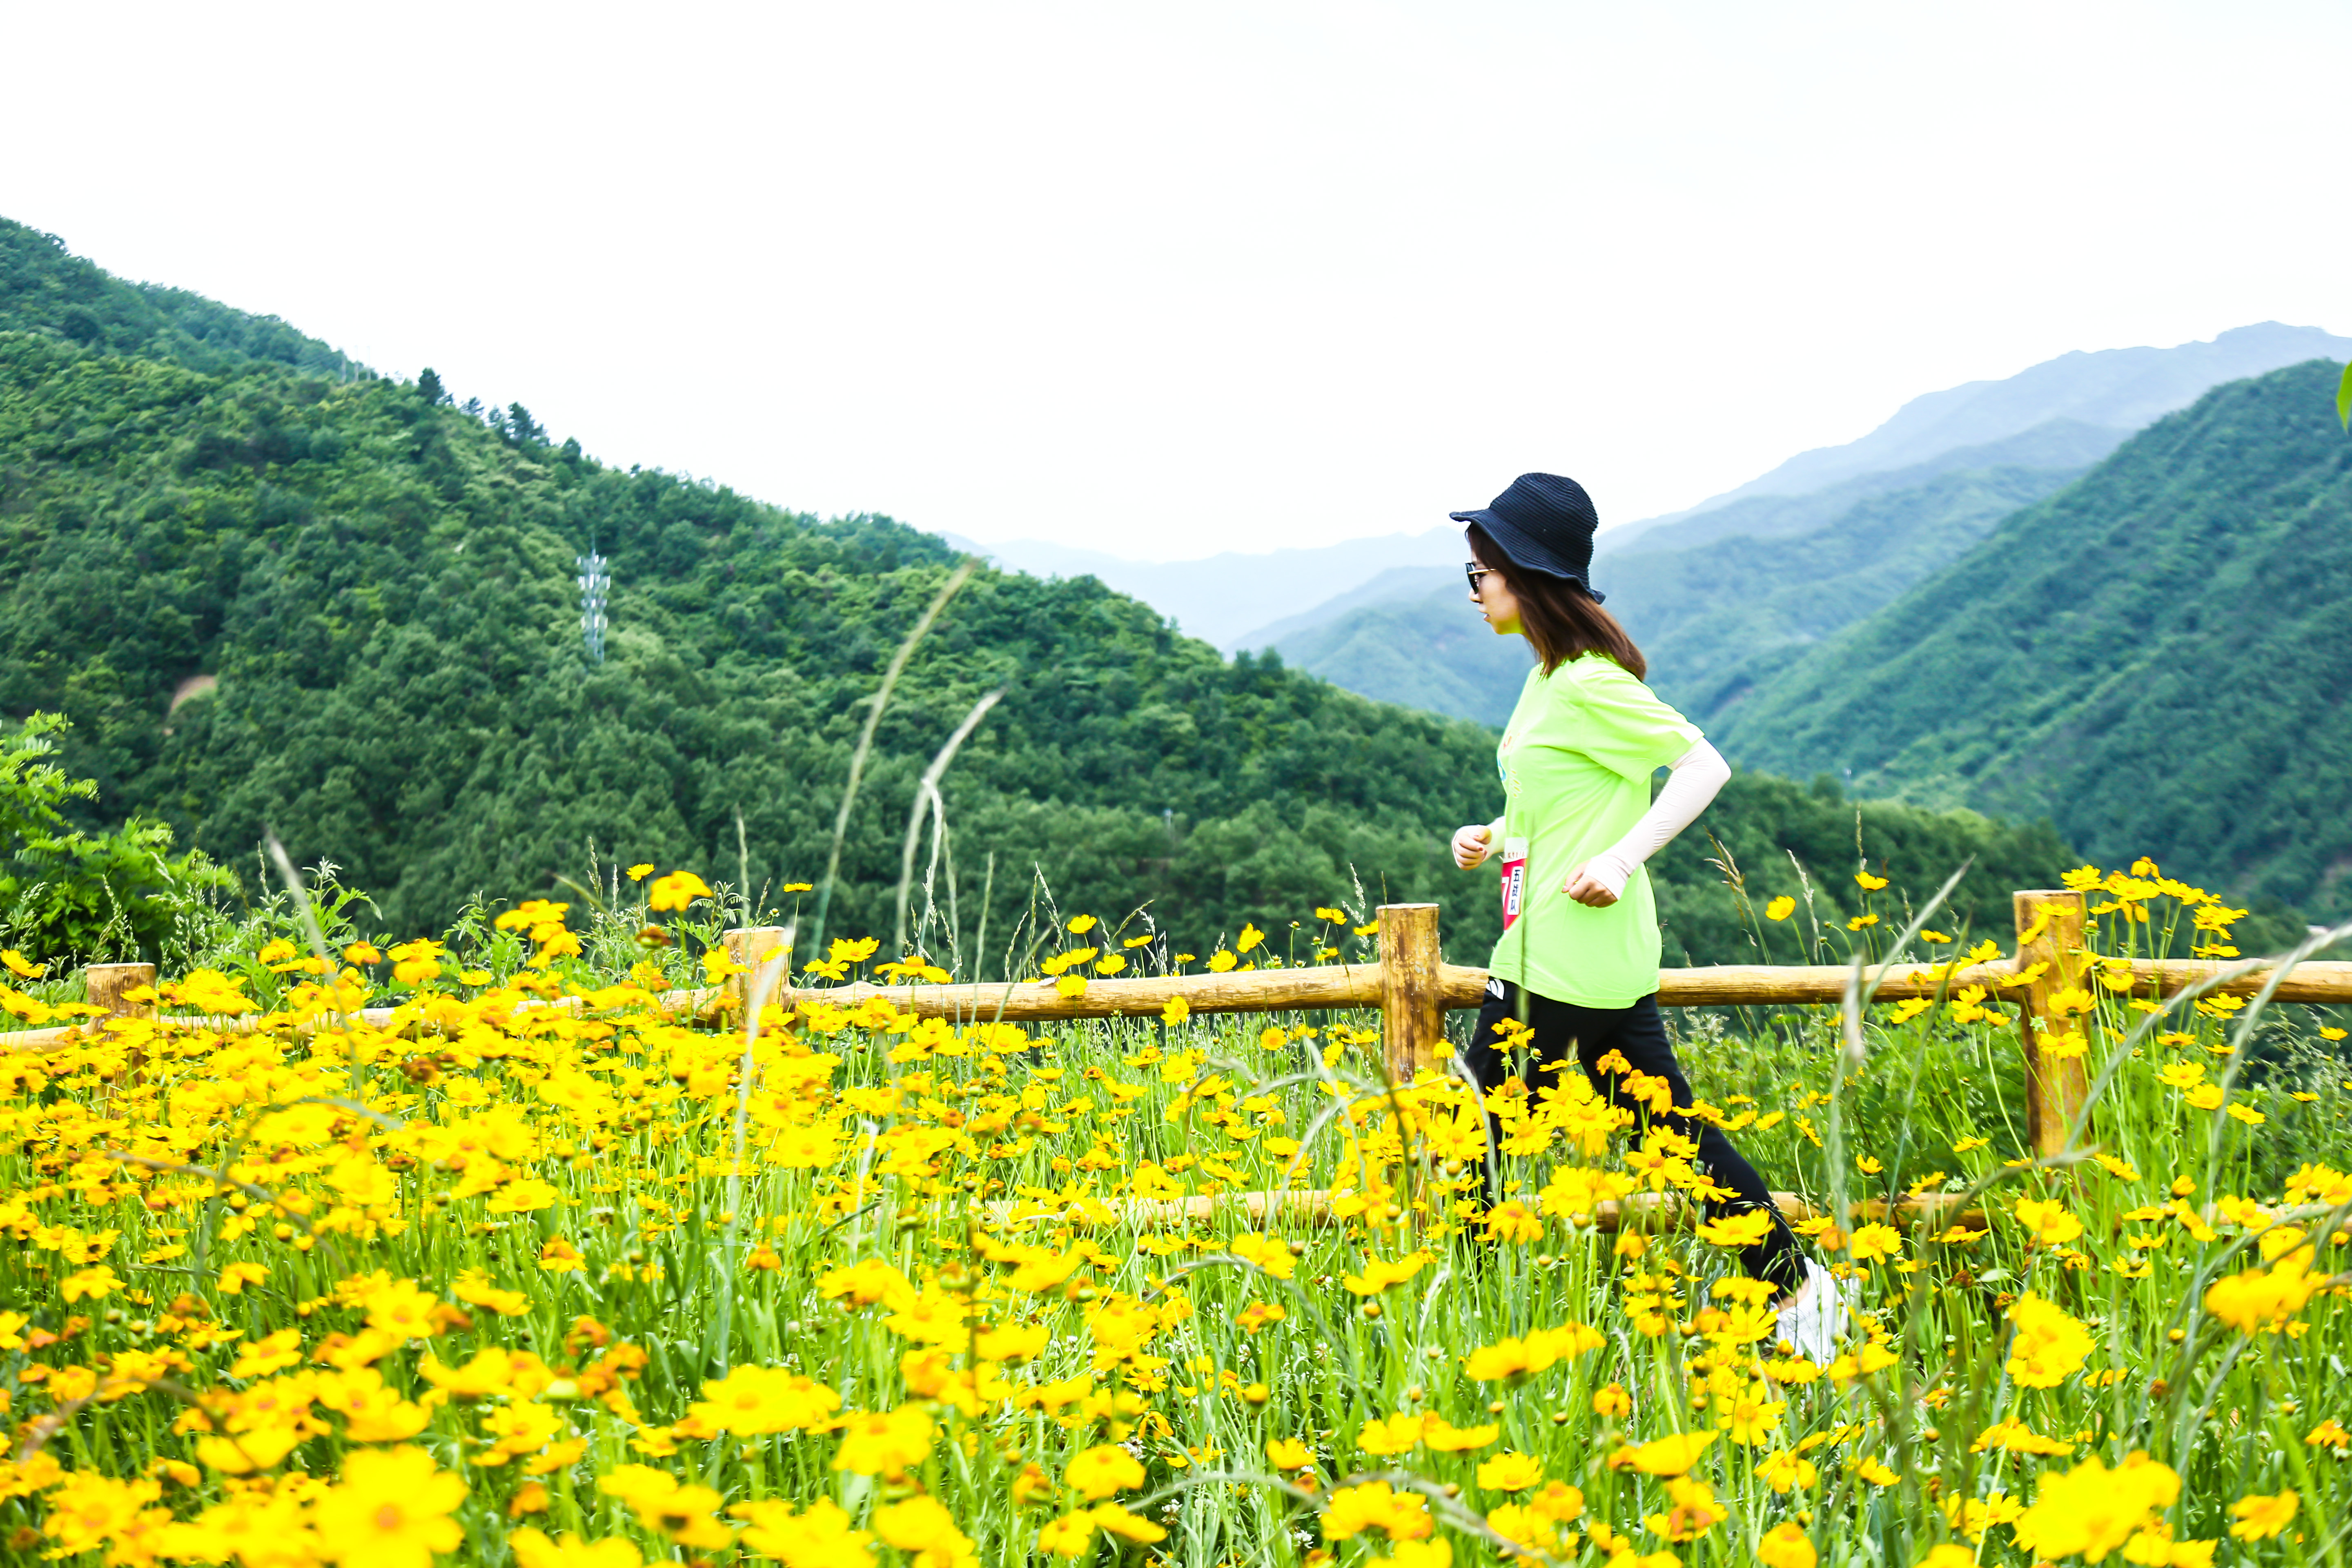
1496,601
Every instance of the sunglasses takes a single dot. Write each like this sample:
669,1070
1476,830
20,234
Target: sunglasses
1472,570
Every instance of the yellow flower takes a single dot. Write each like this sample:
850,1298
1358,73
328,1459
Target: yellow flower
820,1538
677,890
1783,1468
236,1276
1610,1402
2048,1346
1871,1241
2091,1511
1251,937
1398,1434
1782,1546
1380,1275
1868,883
94,1284
1289,1454
1694,1513
1072,1535
884,1444
1120,1521
1176,1011
397,1306
1738,1229
1081,925
21,967
1220,961
1352,1510
1780,908
1266,1252
391,1509
682,1513
2259,1298
922,1524
88,1511
640,871
1102,1471
243,1453
759,1401
2048,1221
1447,1439
1669,1456
1510,1472
1750,1420
2259,1518
533,1549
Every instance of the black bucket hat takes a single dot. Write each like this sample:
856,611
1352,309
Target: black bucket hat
1542,523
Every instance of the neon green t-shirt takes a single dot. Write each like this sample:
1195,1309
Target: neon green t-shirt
1576,761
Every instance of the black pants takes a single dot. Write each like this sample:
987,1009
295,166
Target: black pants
1639,1034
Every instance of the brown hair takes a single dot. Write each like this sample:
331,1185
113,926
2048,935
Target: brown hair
1561,620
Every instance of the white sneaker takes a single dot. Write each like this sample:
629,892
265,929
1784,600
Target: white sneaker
1815,1315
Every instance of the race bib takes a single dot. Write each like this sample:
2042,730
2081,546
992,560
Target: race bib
1515,879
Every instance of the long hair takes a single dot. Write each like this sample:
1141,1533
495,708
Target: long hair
1561,620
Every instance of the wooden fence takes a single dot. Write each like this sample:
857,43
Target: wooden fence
1414,988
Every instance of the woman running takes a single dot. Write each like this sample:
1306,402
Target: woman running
1578,958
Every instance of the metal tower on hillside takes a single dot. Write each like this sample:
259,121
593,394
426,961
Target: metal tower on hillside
595,583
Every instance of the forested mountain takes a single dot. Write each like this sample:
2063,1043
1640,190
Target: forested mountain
1717,620
330,605
44,289
2155,656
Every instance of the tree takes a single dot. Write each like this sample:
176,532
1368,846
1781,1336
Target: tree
83,897
429,387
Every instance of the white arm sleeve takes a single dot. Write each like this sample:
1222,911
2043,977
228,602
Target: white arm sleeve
1697,774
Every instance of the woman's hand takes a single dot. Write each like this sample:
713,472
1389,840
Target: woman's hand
1473,844
1591,884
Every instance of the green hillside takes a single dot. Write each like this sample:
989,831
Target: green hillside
1430,651
383,591
44,289
2155,657
1718,619
321,602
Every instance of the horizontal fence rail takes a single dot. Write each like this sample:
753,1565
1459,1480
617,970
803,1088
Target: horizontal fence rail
1359,985
1414,989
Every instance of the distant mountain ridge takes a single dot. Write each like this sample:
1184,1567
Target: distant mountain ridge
1224,598
2059,445
2123,389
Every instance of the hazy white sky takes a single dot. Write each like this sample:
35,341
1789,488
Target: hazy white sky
1173,278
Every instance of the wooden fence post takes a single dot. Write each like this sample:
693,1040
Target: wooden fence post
108,981
2056,1088
749,947
1412,1003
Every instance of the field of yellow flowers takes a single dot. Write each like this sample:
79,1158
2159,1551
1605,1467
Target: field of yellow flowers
545,1271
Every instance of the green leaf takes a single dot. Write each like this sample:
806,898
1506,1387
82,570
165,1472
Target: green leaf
2344,399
